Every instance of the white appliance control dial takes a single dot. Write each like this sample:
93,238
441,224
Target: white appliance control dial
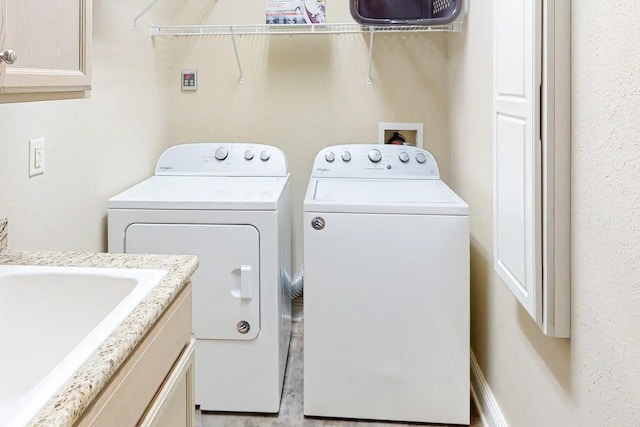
248,155
221,153
375,155
404,157
329,156
264,156
421,158
346,156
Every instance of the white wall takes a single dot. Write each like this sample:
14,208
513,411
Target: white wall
95,147
592,379
303,93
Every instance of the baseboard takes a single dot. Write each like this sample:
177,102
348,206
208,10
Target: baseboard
484,399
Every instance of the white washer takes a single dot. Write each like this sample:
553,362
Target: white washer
230,205
386,298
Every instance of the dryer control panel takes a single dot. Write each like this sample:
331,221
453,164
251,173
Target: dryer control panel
375,161
222,159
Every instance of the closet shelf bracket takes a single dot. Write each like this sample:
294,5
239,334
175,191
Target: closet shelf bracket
235,50
142,13
369,79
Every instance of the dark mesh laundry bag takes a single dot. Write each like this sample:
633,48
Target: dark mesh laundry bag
405,12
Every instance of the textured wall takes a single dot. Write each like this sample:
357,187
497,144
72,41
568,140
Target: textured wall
95,147
303,93
606,209
592,379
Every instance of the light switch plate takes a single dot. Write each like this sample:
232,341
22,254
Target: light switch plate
36,156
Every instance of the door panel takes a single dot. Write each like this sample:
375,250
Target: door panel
54,49
226,285
517,150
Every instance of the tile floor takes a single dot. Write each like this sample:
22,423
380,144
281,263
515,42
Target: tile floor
291,407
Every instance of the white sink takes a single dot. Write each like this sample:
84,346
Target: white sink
51,320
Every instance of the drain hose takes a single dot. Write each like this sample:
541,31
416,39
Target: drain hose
297,284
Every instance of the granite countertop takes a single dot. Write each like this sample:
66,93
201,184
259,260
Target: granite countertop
75,396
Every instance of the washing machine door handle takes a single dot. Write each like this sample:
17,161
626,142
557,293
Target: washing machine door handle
246,282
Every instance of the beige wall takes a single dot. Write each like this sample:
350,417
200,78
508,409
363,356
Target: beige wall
95,147
303,93
592,379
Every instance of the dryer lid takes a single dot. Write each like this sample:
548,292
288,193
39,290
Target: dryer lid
383,196
202,193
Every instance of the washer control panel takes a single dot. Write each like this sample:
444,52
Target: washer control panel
375,161
222,159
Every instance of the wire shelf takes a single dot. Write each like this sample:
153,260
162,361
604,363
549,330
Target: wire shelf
276,29
292,29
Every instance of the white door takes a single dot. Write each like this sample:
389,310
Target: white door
226,285
517,149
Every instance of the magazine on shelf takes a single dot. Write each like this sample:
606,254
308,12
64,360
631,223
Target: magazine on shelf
295,12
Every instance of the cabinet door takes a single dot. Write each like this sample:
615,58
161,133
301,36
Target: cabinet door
517,252
532,157
173,405
52,40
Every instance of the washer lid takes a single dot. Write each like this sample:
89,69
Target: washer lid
383,196
202,193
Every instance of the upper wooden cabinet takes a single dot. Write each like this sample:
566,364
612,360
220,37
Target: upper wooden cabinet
52,41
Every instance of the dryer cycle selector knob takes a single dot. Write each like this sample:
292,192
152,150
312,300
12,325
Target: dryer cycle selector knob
264,156
222,153
421,158
346,156
404,157
329,156
248,155
375,155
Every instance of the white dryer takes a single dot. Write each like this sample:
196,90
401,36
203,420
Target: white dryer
386,298
229,204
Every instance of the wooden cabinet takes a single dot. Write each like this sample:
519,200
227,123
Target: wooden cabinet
154,387
52,40
174,405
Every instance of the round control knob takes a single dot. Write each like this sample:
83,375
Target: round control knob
346,156
248,155
8,56
404,157
375,155
265,155
222,153
329,156
421,158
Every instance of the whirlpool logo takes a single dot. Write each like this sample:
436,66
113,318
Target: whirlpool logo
323,169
